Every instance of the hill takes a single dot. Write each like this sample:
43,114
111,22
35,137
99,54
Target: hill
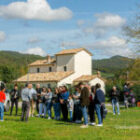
112,64
14,64
16,58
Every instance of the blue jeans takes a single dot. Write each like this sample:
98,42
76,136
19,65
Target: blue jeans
85,114
71,115
41,107
98,112
115,103
1,110
47,109
56,107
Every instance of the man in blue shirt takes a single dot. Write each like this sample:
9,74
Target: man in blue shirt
99,102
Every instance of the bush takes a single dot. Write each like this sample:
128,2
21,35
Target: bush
136,90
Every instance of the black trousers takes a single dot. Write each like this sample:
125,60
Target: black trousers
91,111
77,114
37,106
25,111
14,102
64,110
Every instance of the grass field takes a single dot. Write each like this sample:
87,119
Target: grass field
123,127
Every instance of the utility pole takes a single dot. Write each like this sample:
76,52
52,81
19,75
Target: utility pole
27,70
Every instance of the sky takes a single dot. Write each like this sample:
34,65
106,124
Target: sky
47,26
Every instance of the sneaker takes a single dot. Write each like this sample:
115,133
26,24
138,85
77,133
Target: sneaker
100,125
92,124
84,126
2,120
114,114
49,118
118,113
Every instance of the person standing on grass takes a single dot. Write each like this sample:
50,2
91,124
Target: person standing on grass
56,104
99,103
2,100
115,100
25,96
33,96
132,99
15,95
63,101
48,103
70,107
77,113
84,100
42,102
91,107
38,90
126,94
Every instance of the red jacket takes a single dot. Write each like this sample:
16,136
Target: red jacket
2,97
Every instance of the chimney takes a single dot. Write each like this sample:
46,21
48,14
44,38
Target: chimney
48,59
98,74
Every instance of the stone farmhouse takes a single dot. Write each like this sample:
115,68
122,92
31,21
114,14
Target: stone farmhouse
66,67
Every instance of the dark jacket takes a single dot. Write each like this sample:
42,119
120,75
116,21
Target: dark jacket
99,97
56,98
84,98
38,90
15,95
114,95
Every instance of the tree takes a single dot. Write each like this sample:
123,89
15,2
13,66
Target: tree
7,74
134,73
132,31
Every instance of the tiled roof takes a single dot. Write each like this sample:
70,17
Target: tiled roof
44,77
87,78
43,62
73,51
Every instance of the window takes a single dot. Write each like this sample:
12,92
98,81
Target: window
49,85
65,68
38,70
50,69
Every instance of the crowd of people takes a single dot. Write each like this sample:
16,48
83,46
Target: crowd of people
83,103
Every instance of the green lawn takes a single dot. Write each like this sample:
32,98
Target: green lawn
123,127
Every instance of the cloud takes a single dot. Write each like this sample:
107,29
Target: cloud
111,46
80,22
2,36
69,44
105,22
108,20
34,10
112,42
36,51
34,40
